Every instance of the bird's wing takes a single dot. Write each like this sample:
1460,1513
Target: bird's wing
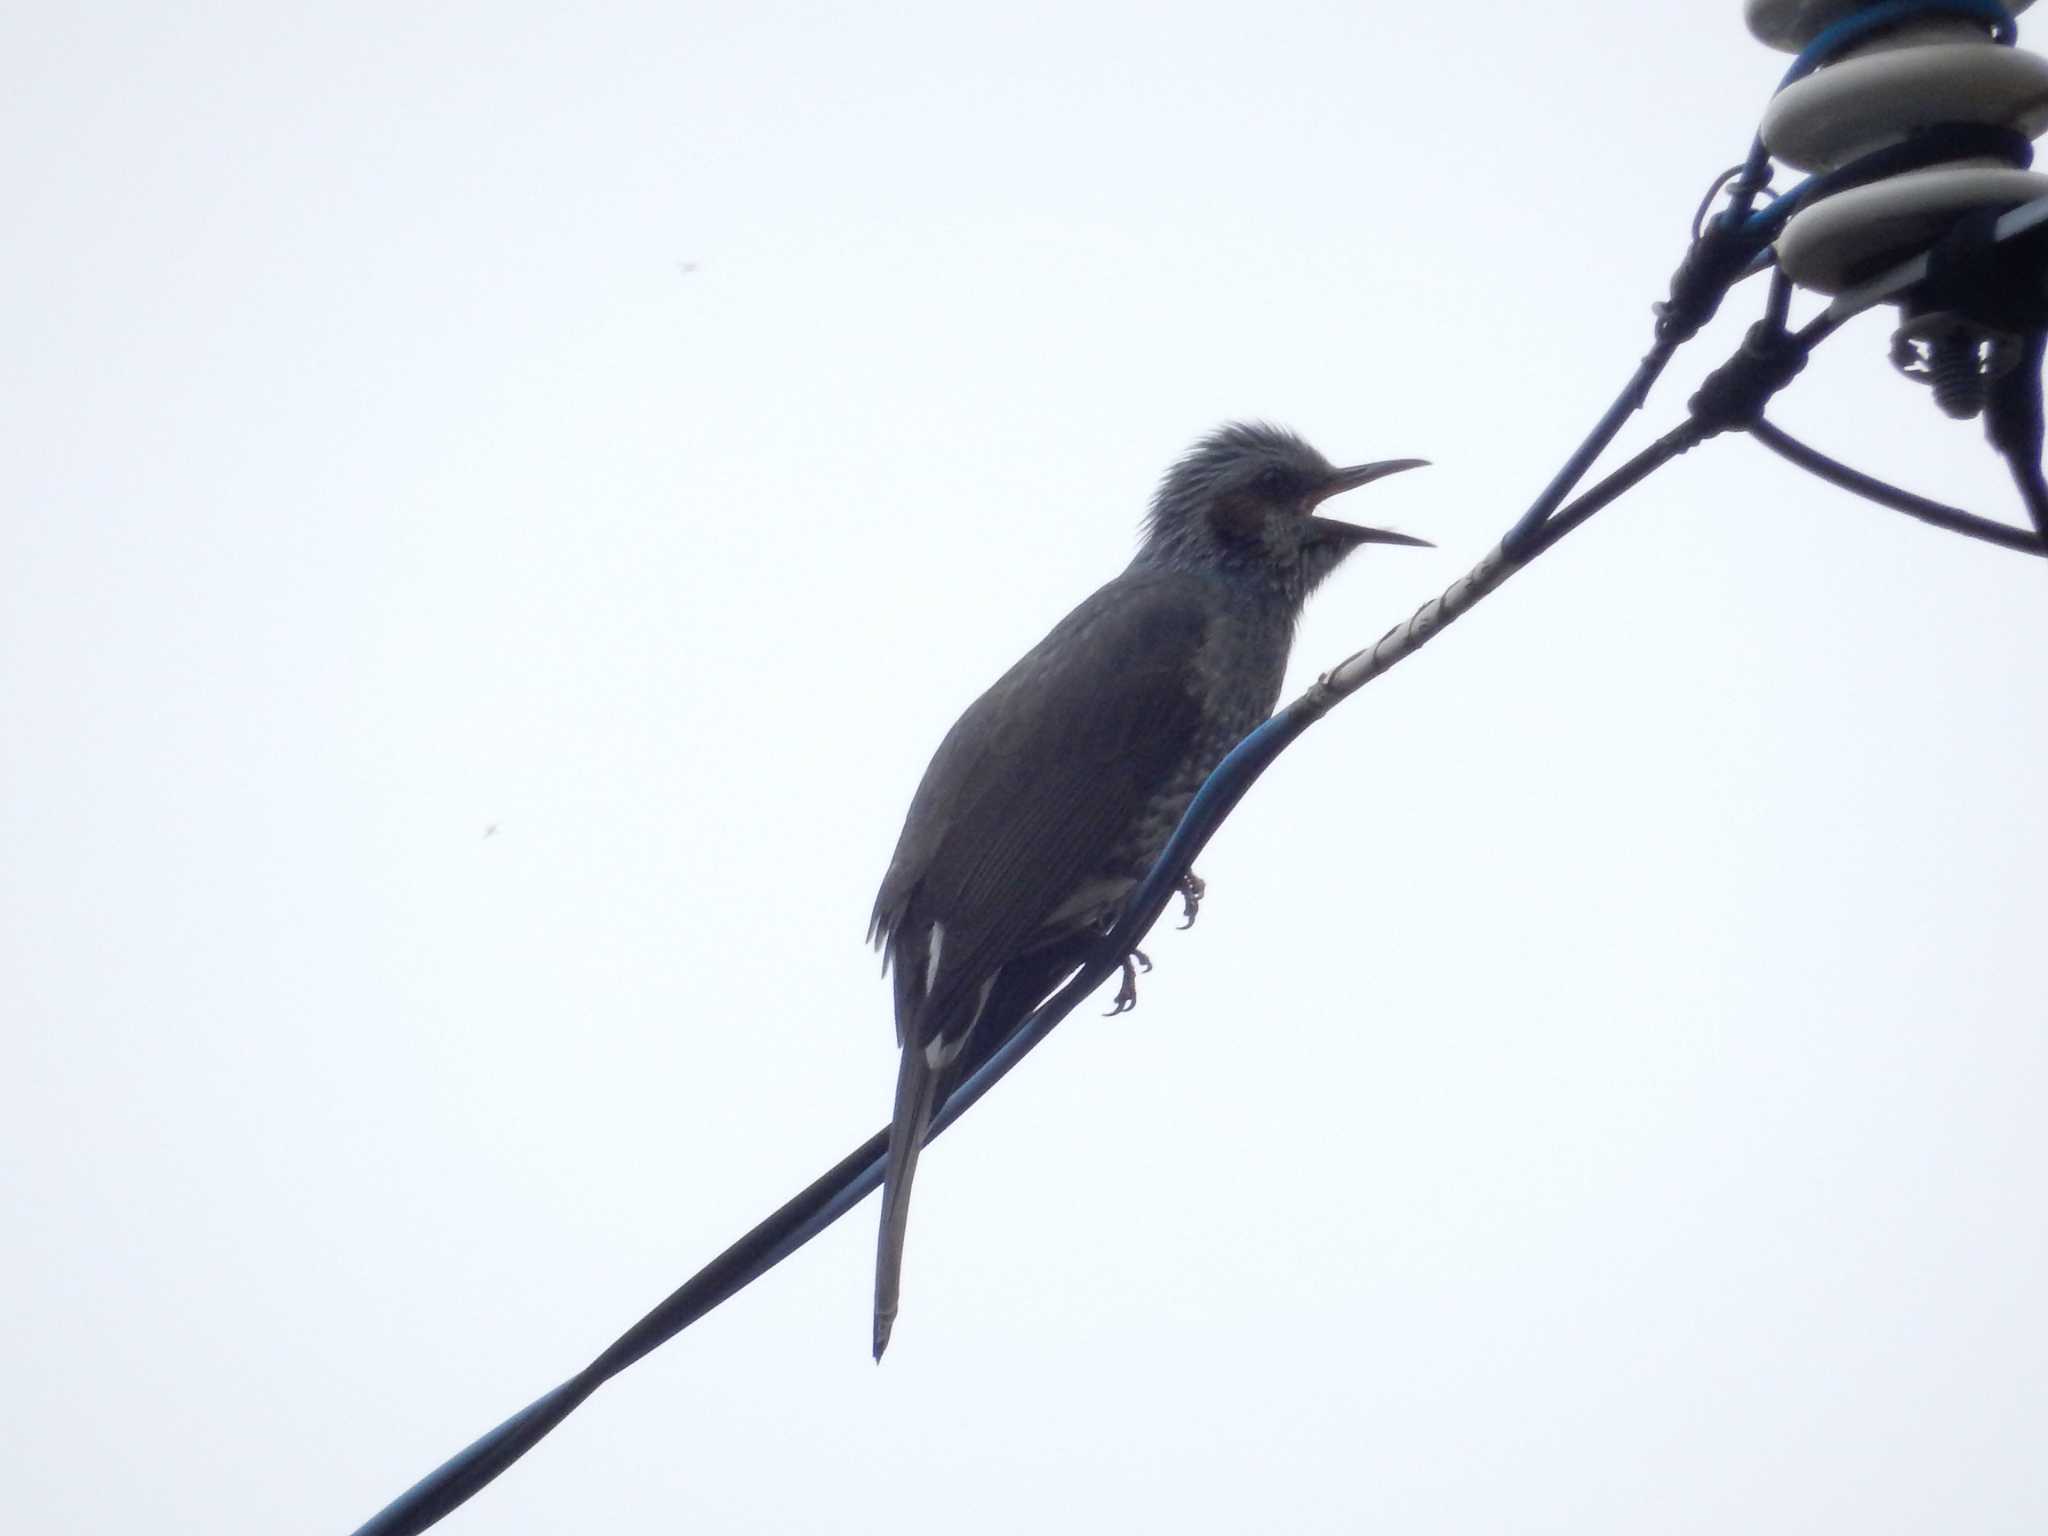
1033,788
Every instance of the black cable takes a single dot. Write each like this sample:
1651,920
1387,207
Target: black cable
2033,488
1884,494
1687,435
2013,420
1518,540
1778,305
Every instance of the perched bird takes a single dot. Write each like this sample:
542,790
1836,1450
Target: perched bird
1058,788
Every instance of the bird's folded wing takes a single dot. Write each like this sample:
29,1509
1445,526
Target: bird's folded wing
1032,791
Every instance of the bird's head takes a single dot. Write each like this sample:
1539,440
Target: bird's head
1243,503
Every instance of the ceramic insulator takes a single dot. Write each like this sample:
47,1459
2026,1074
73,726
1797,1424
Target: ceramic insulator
1940,70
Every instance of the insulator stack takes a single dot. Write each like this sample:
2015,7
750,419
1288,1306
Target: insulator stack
1924,73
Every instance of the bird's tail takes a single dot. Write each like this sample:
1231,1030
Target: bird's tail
917,1084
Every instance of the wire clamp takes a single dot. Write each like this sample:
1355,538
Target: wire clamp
1733,396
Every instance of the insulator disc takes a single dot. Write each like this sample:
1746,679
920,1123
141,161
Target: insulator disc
1846,238
1789,25
1865,103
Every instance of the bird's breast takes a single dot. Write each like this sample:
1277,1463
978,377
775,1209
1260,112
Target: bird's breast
1236,675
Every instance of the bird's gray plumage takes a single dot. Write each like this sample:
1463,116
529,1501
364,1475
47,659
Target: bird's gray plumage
1058,788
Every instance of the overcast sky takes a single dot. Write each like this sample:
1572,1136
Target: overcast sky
498,505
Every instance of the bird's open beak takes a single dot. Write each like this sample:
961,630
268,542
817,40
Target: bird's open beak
1350,480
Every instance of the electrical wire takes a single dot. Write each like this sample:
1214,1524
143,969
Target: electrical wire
1835,472
1730,248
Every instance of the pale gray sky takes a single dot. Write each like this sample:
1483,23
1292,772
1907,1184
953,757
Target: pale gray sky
1602,1093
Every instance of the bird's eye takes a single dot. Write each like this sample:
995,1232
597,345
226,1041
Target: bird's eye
1273,478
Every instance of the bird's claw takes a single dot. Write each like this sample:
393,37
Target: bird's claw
1127,994
1192,889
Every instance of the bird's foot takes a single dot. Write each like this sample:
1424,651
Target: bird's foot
1127,994
1192,889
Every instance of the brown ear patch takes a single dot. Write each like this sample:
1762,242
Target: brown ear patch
1238,517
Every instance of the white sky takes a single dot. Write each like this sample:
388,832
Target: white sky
1602,1091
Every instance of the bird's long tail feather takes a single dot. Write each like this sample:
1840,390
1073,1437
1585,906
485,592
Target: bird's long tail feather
916,1088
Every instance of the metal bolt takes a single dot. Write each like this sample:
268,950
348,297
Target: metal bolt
1953,368
1954,355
